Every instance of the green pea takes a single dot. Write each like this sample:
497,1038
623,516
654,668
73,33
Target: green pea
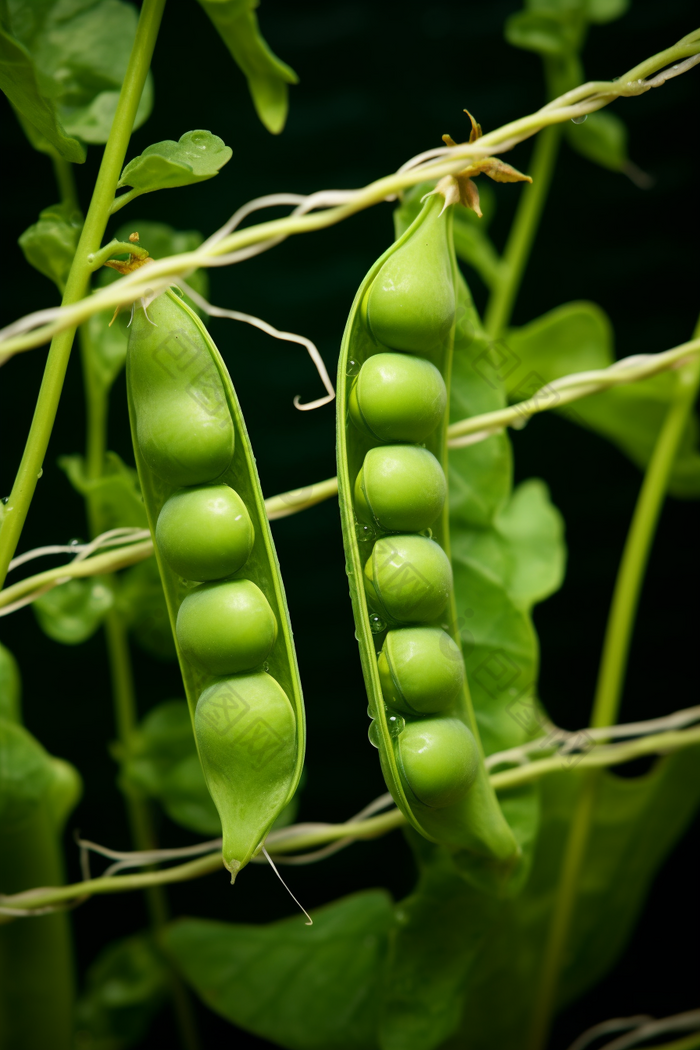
408,578
421,670
411,304
247,739
226,627
439,759
205,533
183,426
397,398
402,487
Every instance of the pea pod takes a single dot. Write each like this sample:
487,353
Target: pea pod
219,571
393,384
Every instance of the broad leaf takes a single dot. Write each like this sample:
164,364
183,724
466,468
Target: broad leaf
67,68
49,245
602,138
10,687
267,76
303,988
196,157
141,601
124,988
64,793
73,611
162,763
26,774
115,495
578,337
545,32
602,11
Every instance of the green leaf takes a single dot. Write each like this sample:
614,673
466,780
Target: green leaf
19,81
601,11
115,495
602,138
49,245
162,763
577,337
26,774
68,64
141,601
547,33
10,687
267,76
197,156
125,986
72,612
65,792
304,988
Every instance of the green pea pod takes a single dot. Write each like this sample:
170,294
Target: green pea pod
393,392
219,570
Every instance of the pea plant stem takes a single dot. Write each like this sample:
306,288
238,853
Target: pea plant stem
77,283
299,838
523,232
611,679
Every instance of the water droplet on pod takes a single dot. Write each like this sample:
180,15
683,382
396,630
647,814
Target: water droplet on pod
428,533
376,624
373,734
364,533
397,724
579,120
41,473
5,500
266,665
369,712
353,368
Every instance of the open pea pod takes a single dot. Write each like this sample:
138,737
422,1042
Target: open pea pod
219,570
393,397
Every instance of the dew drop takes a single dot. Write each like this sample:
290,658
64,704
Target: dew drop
373,734
428,533
370,713
41,473
376,624
364,533
353,368
579,120
5,500
396,724
75,542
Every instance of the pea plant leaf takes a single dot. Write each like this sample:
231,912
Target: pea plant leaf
63,70
162,763
576,337
115,494
267,76
196,157
322,980
72,612
124,987
49,245
141,601
10,687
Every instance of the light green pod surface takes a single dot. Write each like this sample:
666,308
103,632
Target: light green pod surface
421,670
400,573
205,533
398,398
245,731
408,579
401,487
219,570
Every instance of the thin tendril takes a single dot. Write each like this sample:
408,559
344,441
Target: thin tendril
289,337
274,868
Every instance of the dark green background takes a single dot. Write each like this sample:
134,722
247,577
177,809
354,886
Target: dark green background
380,83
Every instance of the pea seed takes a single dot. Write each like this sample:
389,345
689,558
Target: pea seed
438,758
421,670
205,533
398,398
226,627
408,578
402,487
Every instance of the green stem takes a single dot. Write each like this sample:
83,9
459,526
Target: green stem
610,680
522,234
63,170
78,278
